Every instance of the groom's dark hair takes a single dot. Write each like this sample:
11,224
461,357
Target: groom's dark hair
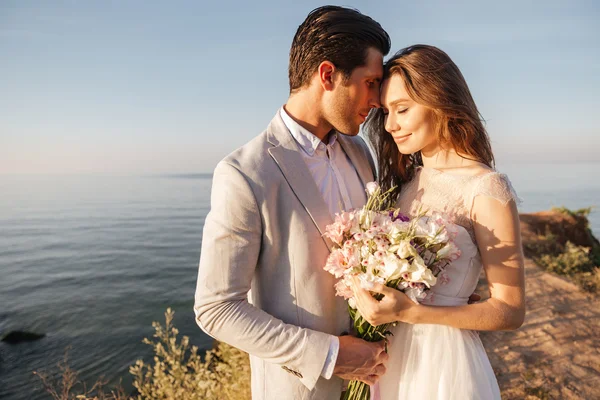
337,34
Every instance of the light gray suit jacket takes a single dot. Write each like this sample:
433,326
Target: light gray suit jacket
261,284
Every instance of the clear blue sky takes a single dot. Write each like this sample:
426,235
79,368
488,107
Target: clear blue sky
172,87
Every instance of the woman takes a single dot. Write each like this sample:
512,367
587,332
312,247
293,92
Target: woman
432,145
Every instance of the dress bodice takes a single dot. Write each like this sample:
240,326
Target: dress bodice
453,195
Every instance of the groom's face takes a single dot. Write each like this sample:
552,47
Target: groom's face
350,102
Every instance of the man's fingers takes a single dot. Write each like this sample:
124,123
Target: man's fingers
380,346
384,356
380,369
369,380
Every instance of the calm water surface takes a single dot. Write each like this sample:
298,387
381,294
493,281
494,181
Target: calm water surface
92,261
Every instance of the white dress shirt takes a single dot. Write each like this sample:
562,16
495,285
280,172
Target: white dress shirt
338,183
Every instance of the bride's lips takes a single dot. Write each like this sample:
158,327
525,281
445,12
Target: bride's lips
400,139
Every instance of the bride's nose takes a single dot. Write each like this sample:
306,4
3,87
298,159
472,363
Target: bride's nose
391,125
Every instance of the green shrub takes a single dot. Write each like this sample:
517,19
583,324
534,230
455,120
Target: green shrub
577,262
575,259
547,243
178,371
582,212
589,281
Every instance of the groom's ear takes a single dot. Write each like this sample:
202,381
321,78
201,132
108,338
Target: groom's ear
327,72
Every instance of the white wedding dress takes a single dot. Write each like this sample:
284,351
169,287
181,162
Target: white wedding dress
437,362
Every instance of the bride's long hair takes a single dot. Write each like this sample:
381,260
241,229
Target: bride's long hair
434,81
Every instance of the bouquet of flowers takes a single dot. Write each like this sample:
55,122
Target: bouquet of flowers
378,244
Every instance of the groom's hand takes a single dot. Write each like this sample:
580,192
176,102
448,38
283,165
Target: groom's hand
360,360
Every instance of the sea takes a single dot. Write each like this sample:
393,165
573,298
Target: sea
91,261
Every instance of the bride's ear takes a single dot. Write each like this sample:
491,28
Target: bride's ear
327,72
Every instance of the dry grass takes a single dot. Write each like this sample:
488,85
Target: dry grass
68,387
177,372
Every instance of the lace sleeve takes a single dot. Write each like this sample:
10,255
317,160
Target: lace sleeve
496,186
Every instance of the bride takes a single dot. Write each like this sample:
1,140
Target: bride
431,144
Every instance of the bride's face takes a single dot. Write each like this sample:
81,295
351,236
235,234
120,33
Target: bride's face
411,125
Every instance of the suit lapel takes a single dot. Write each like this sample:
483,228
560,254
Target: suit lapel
286,154
357,158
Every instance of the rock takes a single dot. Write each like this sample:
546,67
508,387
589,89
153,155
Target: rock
547,232
564,226
15,337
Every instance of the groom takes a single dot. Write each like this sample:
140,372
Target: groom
261,284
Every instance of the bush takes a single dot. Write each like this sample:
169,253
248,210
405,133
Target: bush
582,212
573,260
178,372
577,262
547,243
67,383
589,281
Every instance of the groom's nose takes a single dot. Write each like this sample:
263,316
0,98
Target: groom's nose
374,100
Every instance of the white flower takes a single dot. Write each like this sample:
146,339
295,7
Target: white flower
449,251
352,303
424,276
372,187
418,264
367,280
365,251
430,228
397,228
405,249
441,236
394,267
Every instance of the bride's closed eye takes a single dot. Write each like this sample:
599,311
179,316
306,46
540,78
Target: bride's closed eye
386,112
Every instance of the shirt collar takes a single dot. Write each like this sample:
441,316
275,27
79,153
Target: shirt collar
307,141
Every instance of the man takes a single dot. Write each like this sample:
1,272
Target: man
261,284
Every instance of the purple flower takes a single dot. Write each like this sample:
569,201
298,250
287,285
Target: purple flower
399,216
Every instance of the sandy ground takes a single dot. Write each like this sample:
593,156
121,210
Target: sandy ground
556,353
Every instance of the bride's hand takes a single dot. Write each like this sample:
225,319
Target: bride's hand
394,306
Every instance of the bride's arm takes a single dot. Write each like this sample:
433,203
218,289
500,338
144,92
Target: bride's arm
499,241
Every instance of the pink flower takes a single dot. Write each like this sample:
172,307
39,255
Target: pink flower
341,226
351,255
343,290
383,246
336,263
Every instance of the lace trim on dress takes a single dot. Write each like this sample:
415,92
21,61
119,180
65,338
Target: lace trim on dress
496,186
453,194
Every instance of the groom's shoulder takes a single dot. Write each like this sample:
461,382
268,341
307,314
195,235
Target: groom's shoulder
358,141
361,144
252,158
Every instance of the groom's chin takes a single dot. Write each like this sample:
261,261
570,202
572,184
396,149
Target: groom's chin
349,131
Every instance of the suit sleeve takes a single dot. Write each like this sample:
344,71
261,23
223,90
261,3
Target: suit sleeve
230,252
